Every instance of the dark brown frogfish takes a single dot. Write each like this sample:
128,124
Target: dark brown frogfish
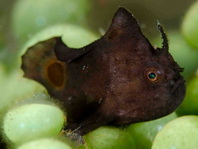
118,79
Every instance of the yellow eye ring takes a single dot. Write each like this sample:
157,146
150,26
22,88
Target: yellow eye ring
152,74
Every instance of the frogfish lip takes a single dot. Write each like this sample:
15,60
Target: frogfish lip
178,90
179,83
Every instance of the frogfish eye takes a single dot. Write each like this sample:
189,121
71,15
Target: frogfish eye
152,74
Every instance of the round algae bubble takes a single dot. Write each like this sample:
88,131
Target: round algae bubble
189,25
71,34
46,143
144,132
109,138
32,121
181,133
31,16
14,88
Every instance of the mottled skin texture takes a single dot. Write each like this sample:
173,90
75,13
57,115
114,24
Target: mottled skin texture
111,80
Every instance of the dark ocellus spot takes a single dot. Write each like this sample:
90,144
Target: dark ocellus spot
55,73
